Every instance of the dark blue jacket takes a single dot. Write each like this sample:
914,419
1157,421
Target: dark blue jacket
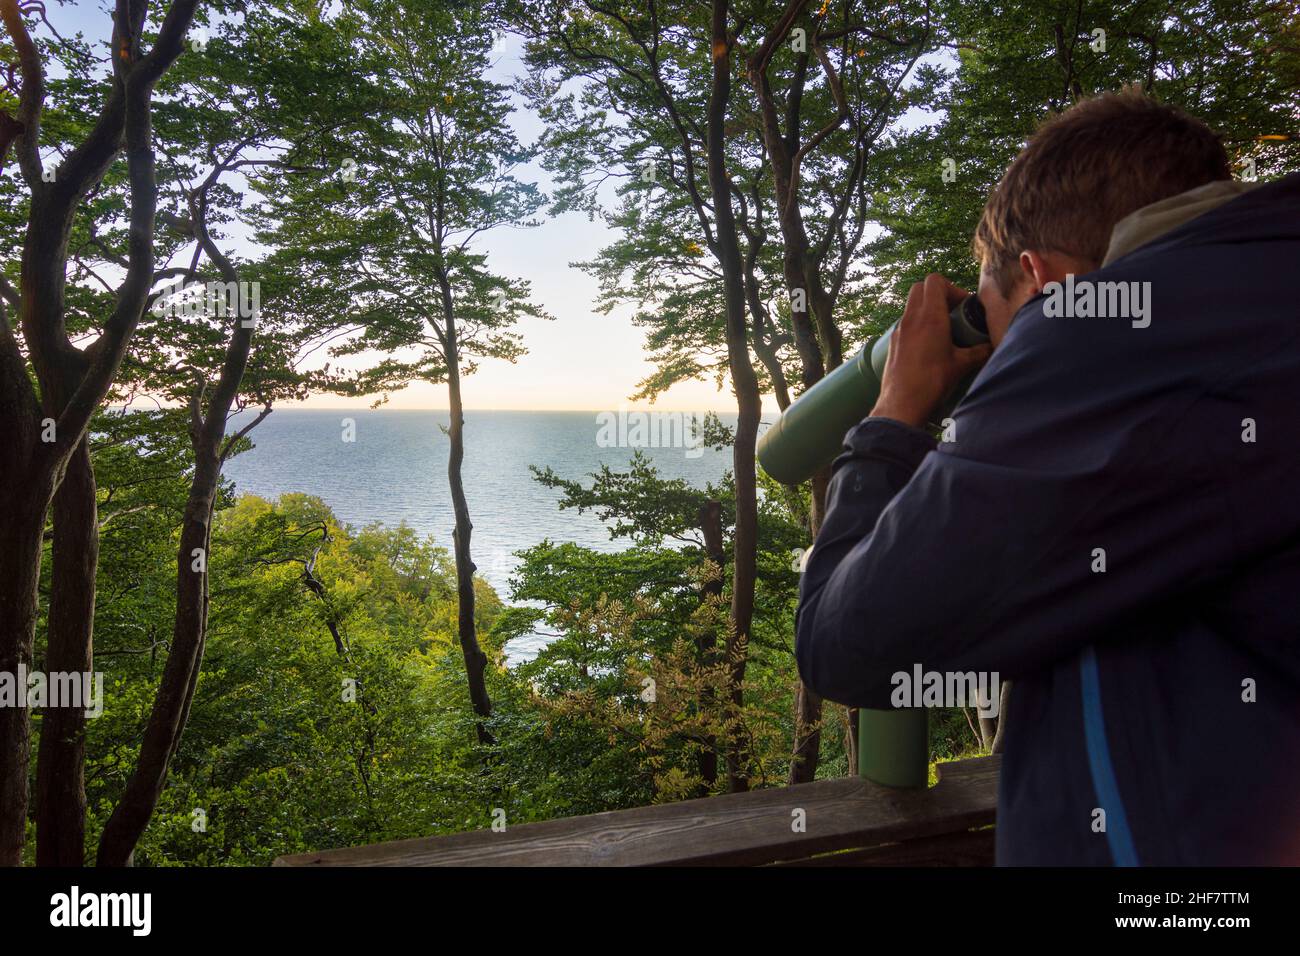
1088,433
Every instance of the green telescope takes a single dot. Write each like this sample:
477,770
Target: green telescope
810,432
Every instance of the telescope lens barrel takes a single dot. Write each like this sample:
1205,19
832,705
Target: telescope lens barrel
810,432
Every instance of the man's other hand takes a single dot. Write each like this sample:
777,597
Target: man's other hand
923,364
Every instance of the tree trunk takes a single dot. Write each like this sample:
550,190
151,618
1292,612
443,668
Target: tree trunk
745,383
710,519
60,764
171,704
767,354
808,704
29,475
818,346
823,306
475,659
21,532
851,741
993,738
764,332
364,758
807,735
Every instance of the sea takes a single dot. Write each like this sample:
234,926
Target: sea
390,466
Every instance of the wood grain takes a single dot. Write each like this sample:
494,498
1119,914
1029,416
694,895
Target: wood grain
733,829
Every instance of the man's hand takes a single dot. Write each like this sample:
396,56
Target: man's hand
923,364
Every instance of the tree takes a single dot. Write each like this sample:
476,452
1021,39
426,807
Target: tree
239,128
390,243
654,98
45,431
655,612
648,508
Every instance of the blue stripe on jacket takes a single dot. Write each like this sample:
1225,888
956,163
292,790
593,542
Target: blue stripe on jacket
1118,835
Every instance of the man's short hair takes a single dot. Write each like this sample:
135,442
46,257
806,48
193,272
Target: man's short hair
1086,169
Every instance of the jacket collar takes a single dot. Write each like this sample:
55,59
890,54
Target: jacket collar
1151,222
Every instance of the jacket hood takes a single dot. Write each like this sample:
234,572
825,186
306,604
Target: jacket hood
1221,212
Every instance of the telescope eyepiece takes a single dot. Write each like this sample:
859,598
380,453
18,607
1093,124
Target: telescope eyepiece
972,310
968,322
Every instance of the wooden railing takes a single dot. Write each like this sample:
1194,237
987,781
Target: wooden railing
843,822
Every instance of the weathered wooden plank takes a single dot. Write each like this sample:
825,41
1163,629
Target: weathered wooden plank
735,829
967,848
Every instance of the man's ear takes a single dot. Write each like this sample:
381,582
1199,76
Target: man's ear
1035,270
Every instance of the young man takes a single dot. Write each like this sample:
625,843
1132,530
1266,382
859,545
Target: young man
1115,523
